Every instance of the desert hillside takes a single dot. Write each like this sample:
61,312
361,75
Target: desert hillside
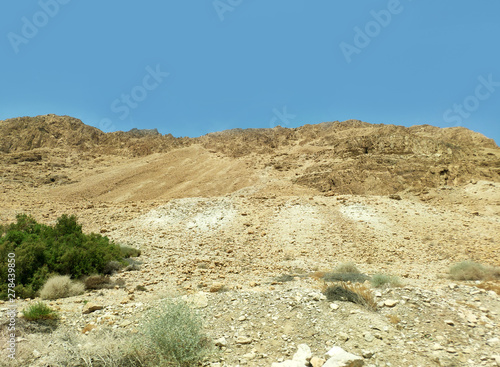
237,209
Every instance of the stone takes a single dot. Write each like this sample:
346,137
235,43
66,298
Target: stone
317,362
242,339
197,300
303,354
390,303
216,287
249,356
369,337
493,341
367,353
449,322
91,307
340,358
342,336
334,306
496,358
221,342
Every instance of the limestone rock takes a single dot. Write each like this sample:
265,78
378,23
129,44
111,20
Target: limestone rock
91,307
340,358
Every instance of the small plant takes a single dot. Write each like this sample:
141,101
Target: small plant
112,267
383,280
175,334
141,288
61,286
470,270
345,272
39,311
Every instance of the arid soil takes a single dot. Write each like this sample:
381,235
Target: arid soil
220,217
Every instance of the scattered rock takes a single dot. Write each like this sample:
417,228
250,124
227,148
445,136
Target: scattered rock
390,302
317,362
91,307
303,354
340,358
242,339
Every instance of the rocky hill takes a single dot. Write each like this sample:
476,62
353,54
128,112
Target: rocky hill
350,157
244,225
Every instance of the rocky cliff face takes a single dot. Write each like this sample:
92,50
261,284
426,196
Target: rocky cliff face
350,157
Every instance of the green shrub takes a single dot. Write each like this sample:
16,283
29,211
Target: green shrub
381,280
61,286
42,250
174,334
39,311
470,270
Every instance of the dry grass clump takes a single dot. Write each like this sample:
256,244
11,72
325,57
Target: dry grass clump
61,286
348,267
349,292
470,270
383,280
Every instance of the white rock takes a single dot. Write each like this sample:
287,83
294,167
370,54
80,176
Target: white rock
390,303
334,306
303,354
493,341
243,340
341,358
221,342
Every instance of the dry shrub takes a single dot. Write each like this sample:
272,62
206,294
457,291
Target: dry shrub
470,270
348,267
355,293
61,286
97,282
394,319
383,280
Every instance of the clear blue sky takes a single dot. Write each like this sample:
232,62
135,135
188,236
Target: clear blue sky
193,67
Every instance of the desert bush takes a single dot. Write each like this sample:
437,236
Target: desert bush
128,251
174,334
39,311
61,286
383,280
355,293
348,267
42,250
470,270
112,267
345,277
97,282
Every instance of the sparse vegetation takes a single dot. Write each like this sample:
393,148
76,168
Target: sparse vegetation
348,267
173,333
128,251
98,282
39,311
383,280
43,250
355,293
345,272
470,270
61,286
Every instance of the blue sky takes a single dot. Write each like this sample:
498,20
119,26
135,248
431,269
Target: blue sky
193,67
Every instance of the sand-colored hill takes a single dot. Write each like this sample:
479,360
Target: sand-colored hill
236,209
